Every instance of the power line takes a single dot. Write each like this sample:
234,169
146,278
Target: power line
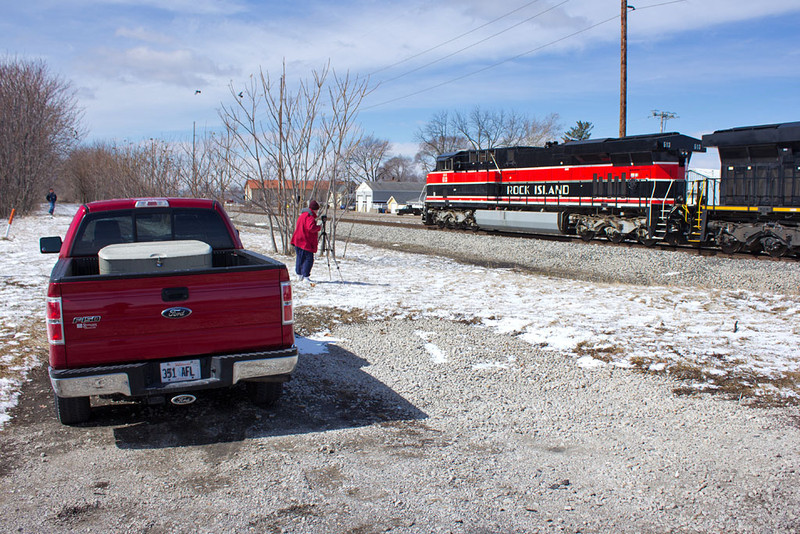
483,69
476,43
661,4
456,38
488,67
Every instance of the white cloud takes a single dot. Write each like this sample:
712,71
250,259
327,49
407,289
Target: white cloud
159,47
142,64
200,7
142,34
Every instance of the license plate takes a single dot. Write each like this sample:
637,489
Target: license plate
180,371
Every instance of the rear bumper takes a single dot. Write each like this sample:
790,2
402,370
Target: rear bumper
144,379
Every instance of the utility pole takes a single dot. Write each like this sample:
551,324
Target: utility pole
623,69
194,165
194,138
664,116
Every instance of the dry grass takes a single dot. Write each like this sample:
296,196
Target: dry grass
736,384
604,353
16,351
308,320
716,374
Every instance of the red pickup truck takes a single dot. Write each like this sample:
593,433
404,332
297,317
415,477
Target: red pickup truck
157,299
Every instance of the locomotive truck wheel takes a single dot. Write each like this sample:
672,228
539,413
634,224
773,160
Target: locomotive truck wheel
616,237
729,244
648,242
586,235
774,247
672,239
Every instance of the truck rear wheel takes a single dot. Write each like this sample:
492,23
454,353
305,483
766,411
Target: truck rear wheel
72,410
264,393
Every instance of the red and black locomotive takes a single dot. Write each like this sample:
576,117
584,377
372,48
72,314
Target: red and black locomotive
630,188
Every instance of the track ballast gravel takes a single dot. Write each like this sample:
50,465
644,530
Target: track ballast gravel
595,261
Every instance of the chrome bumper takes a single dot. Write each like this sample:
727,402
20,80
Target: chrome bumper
133,380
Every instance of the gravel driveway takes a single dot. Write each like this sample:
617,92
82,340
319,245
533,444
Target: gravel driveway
382,434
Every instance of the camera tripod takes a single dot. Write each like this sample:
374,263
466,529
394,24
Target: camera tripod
325,247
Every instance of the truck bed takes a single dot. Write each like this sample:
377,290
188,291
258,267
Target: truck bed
234,306
88,266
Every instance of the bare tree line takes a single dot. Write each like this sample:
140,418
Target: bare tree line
39,125
105,170
481,129
298,139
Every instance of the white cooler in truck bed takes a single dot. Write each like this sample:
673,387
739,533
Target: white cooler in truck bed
154,256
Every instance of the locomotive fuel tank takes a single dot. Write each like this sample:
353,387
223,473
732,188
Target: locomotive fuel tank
519,221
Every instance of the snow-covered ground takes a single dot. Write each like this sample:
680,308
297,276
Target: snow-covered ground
718,336
715,337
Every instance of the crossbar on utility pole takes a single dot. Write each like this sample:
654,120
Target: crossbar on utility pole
664,116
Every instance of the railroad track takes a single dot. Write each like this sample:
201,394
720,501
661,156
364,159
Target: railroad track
390,221
687,248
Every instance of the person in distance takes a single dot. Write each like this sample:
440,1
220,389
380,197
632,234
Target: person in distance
304,239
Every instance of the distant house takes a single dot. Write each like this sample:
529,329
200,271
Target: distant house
264,191
344,197
375,196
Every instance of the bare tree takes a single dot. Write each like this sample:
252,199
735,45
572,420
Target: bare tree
490,129
293,144
345,97
482,129
146,169
399,169
437,136
207,167
224,162
106,170
81,173
537,132
366,158
39,124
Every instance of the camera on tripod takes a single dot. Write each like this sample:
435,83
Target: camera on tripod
324,218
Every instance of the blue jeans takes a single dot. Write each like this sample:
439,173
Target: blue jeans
303,262
52,207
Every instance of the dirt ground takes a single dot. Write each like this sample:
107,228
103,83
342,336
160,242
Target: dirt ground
370,438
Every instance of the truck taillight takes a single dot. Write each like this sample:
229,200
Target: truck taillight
286,303
55,321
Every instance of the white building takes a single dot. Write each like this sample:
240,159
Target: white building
374,196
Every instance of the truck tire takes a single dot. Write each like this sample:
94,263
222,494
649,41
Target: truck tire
72,410
264,393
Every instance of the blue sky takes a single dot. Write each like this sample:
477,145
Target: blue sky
136,64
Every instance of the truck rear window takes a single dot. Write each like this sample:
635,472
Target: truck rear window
131,226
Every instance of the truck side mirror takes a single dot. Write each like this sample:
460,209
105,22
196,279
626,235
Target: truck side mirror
50,245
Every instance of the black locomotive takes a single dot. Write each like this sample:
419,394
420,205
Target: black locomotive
755,204
630,188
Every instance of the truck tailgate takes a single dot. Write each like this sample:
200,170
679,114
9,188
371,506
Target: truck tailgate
115,320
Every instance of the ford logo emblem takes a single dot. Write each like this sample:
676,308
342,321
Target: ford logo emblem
176,313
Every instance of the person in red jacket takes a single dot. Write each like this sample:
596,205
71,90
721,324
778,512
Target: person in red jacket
305,239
